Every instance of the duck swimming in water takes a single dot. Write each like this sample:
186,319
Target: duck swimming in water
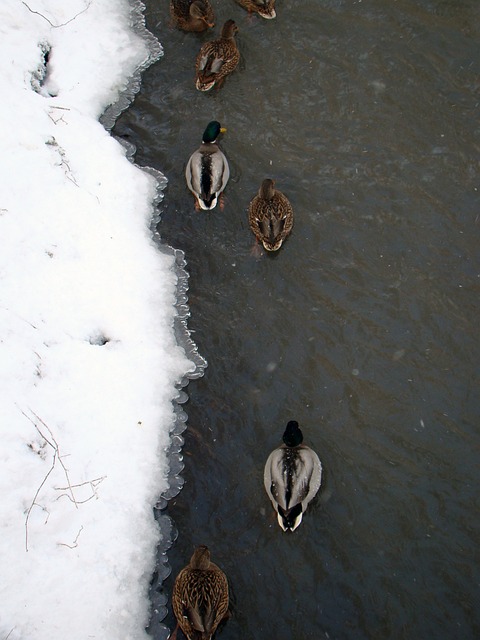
264,8
217,59
292,477
270,215
200,597
207,170
192,15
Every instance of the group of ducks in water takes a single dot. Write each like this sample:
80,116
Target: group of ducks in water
270,213
292,477
293,472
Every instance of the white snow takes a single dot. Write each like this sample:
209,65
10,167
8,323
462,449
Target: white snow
88,356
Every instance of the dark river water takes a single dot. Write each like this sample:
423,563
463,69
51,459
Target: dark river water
364,327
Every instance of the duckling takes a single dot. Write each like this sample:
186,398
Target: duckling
270,215
192,15
292,477
264,8
207,170
217,59
200,597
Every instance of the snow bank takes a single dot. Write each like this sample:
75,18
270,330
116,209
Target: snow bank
88,356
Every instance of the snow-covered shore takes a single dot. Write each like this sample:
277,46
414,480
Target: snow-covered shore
89,361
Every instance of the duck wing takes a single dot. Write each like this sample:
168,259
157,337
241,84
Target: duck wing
292,476
194,617
272,219
271,228
309,476
217,57
200,601
207,173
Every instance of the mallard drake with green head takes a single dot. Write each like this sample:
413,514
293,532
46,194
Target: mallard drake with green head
292,477
264,8
192,15
207,170
270,215
200,597
217,59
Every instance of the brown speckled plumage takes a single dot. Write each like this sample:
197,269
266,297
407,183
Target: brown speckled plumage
192,15
270,215
265,8
200,596
217,58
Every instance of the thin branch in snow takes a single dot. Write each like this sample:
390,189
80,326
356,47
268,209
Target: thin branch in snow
68,491
51,142
16,314
56,449
56,26
75,542
71,179
57,120
93,485
34,501
56,456
9,633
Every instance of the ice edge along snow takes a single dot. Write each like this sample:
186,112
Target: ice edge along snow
182,333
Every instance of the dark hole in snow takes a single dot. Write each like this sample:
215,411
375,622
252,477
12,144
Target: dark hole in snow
39,76
99,339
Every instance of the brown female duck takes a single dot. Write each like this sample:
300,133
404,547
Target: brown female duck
217,59
270,215
264,8
192,15
200,597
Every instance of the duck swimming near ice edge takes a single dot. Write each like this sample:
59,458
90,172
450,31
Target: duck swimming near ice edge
200,597
292,477
207,170
192,15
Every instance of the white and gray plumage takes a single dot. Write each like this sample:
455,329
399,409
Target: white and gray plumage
292,477
207,170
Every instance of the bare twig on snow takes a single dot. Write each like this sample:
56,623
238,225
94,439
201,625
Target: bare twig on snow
57,26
